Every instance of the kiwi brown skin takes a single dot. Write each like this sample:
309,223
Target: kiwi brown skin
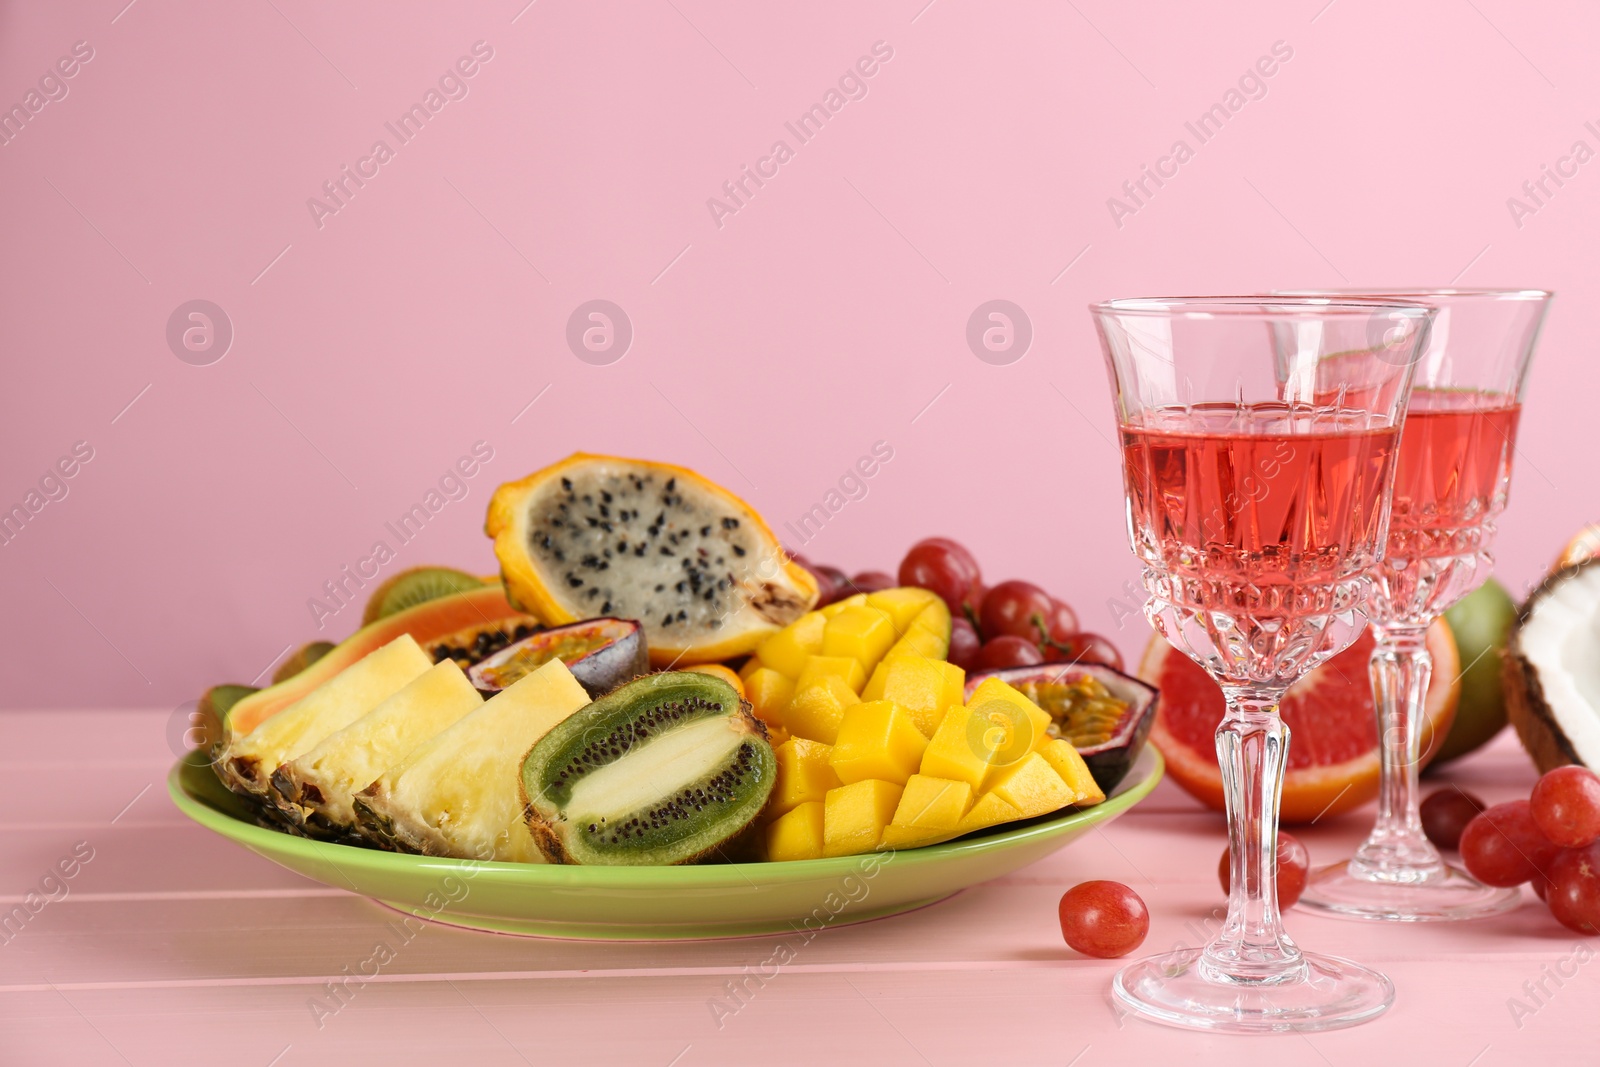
1530,713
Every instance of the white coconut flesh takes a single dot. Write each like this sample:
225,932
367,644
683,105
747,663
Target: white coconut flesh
656,769
1561,641
643,544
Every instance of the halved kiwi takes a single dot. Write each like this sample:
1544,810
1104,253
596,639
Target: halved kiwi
670,768
416,586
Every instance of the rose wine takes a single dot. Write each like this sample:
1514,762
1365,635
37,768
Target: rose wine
1451,481
1264,515
1264,492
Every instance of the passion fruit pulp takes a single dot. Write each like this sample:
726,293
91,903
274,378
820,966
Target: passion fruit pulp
601,654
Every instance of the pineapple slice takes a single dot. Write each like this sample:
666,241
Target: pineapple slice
247,762
460,793
317,787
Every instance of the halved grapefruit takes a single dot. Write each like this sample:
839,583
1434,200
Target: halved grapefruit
1333,747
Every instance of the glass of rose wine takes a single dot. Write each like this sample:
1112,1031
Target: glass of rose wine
1451,482
1258,503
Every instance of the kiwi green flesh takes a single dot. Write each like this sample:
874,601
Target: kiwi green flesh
422,585
668,769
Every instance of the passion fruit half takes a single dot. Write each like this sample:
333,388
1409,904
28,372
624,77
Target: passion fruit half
601,654
1104,713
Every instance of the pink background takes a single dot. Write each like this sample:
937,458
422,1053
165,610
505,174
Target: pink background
825,315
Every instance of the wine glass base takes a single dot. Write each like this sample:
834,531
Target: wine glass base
1451,897
1325,993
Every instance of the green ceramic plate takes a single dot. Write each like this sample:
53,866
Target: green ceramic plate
654,903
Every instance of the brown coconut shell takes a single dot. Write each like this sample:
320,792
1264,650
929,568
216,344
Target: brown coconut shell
1530,713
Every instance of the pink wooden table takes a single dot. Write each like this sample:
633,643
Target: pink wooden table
173,946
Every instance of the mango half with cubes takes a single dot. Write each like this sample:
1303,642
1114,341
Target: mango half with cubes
883,784
804,677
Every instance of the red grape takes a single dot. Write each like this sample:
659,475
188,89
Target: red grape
964,644
1006,651
943,566
834,583
872,581
1503,847
1103,919
1446,813
1566,806
1294,866
1062,622
1574,890
1541,885
1084,648
1016,609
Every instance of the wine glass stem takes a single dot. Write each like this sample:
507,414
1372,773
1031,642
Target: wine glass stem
1397,850
1252,744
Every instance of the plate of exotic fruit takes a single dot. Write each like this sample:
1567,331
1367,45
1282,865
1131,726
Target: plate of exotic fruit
655,722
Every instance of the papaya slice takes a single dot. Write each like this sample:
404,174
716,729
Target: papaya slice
602,535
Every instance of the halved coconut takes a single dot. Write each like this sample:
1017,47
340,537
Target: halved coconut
1553,669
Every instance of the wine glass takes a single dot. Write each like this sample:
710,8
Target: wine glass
1450,485
1258,438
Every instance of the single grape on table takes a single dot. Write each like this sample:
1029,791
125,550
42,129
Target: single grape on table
1103,919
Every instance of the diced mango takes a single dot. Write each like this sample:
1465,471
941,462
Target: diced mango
921,641
856,815
1029,724
839,605
955,686
814,712
847,667
804,775
877,739
786,650
861,632
797,834
933,803
922,686
1065,761
959,749
750,667
1032,787
990,810
903,604
769,692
